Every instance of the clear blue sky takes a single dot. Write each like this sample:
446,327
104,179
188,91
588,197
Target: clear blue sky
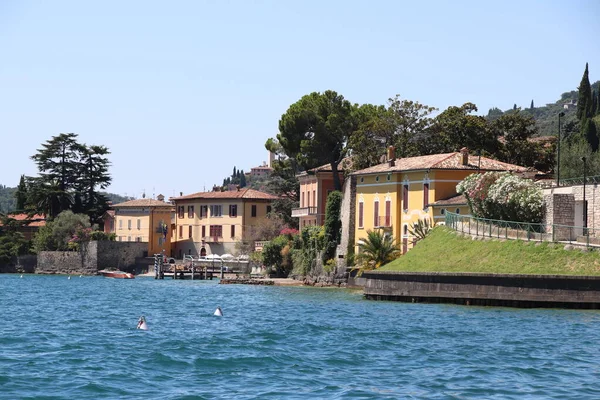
182,91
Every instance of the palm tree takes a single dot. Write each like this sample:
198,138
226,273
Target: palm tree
421,229
377,249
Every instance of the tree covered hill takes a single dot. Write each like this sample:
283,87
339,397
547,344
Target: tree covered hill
8,202
546,117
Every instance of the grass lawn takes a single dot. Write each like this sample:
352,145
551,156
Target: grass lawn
445,251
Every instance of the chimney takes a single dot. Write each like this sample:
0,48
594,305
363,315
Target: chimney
391,156
464,156
237,187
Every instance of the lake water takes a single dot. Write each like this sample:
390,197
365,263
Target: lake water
76,339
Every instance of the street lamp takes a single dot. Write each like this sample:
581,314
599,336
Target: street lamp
560,114
585,217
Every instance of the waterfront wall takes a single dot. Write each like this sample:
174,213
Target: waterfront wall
95,256
484,289
347,216
21,264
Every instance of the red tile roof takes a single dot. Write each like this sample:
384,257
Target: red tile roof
456,200
36,220
246,194
442,161
143,203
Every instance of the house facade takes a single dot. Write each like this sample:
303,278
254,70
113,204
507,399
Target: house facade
394,195
145,220
213,222
315,186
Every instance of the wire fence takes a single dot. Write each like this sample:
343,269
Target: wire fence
492,228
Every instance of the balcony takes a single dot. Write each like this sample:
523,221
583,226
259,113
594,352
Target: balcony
384,222
303,212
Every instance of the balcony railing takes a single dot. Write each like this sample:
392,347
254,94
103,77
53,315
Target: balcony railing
384,222
303,211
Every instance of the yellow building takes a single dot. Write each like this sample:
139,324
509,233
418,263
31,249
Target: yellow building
213,222
145,220
395,194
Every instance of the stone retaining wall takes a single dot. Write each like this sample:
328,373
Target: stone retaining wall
485,289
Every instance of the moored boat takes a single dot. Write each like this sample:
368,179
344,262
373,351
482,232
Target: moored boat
116,274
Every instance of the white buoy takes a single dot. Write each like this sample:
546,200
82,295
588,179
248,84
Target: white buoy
81,276
142,324
218,312
69,277
21,275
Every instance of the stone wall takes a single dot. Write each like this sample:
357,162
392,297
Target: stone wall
560,210
485,289
92,258
21,264
560,203
347,215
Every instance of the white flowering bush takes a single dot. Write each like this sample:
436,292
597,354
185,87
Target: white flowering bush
503,196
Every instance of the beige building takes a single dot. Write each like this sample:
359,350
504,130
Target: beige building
145,220
213,222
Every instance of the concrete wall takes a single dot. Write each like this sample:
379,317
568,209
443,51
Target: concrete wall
485,289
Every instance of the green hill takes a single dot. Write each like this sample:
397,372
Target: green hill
462,254
546,117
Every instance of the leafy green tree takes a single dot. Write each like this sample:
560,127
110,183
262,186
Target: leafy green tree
333,224
57,233
516,129
12,242
315,129
584,101
377,249
283,183
571,153
93,177
494,113
273,256
21,195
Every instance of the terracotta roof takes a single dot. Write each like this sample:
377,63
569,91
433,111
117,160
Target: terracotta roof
143,203
441,161
346,163
456,200
110,213
245,193
36,220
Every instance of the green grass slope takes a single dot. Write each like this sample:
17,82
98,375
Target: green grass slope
445,251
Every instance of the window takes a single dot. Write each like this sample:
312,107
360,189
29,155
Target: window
362,179
253,210
139,224
302,200
180,212
233,210
376,213
216,231
129,224
216,211
425,195
377,178
405,198
389,177
268,209
120,224
138,239
314,198
203,231
361,209
180,231
458,210
232,231
112,225
443,211
203,211
388,213
308,198
190,231
129,238
190,211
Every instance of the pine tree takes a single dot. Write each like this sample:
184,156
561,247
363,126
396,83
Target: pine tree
584,101
531,104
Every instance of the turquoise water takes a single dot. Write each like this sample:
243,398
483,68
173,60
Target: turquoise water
76,339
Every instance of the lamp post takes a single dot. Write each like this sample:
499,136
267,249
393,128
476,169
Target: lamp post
585,217
560,114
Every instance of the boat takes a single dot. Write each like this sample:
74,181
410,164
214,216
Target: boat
116,274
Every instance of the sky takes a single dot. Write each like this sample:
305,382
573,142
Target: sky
182,91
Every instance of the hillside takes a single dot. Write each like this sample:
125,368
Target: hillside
461,254
546,117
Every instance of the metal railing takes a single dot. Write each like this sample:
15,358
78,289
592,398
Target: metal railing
492,228
303,211
579,180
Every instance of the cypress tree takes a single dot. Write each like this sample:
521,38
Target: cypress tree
21,194
584,101
234,172
531,104
594,108
591,134
242,180
515,107
333,224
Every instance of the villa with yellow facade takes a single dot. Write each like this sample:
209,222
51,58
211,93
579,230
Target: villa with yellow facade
394,195
143,220
213,222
